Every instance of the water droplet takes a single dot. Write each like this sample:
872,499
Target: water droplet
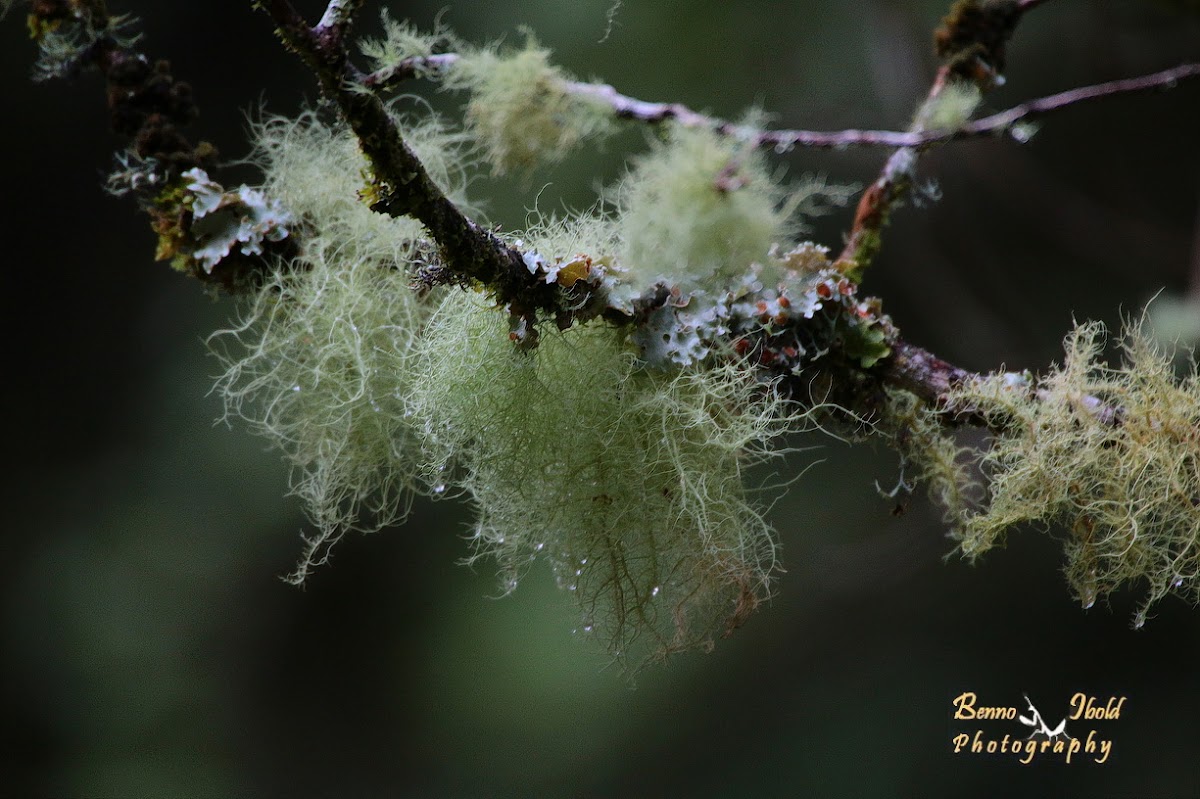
295,388
439,489
582,562
654,591
587,628
539,547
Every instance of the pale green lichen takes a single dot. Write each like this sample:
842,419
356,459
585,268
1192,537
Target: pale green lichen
318,362
700,209
629,482
519,110
318,365
319,174
951,108
930,455
1111,453
402,40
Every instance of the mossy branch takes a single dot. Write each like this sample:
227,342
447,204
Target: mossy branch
692,328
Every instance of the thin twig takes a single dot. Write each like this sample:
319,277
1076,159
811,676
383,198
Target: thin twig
1004,120
898,172
971,42
407,69
626,107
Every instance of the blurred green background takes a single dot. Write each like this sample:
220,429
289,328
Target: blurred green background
151,650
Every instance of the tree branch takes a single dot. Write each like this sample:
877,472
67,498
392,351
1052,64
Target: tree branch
339,15
1003,121
470,252
405,187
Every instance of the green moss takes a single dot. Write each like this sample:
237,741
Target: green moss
1110,453
628,482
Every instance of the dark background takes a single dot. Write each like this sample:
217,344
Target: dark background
150,650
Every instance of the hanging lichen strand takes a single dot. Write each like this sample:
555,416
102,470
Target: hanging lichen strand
627,480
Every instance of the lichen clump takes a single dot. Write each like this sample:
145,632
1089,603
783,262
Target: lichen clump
626,477
519,110
319,361
627,480
1110,453
700,209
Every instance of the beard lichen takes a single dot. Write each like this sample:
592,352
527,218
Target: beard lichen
699,206
318,361
629,481
625,476
317,364
519,110
1110,453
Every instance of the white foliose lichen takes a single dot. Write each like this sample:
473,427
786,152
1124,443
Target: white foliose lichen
221,220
